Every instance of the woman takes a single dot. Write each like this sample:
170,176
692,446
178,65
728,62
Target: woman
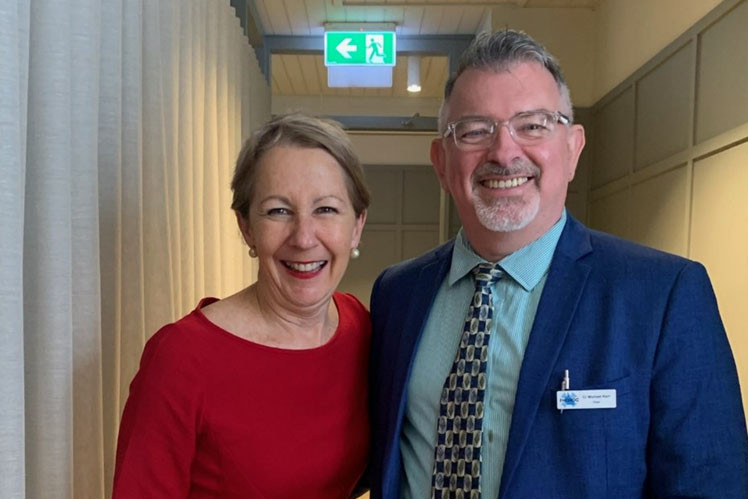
263,394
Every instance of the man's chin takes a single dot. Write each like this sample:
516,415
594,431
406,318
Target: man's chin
504,225
498,219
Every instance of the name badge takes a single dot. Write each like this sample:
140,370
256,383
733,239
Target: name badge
585,399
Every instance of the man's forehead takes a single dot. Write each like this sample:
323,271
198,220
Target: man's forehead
521,71
525,86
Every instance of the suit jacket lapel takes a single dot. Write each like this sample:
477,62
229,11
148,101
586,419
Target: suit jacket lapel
563,289
429,279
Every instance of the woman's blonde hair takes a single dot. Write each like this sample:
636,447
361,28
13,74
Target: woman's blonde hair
300,130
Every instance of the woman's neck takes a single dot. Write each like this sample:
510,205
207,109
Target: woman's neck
288,326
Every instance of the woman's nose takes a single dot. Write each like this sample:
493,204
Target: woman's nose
303,235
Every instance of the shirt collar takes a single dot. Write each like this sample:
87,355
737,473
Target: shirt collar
526,266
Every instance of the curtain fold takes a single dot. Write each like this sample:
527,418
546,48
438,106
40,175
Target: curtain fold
87,389
14,49
47,251
119,124
110,220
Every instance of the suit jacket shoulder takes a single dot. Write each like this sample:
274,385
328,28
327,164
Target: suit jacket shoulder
410,270
579,241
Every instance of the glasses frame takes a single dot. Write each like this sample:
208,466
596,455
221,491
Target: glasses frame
557,117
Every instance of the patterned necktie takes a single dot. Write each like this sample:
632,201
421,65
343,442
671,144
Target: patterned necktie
457,457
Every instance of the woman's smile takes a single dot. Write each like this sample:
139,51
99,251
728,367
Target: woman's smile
304,270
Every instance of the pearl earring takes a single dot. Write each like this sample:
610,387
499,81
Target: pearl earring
355,253
252,252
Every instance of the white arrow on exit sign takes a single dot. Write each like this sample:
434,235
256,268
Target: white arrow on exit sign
345,48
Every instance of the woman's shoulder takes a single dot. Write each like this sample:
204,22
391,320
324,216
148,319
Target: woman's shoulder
184,337
228,316
174,363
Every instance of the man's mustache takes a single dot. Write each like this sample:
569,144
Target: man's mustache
520,167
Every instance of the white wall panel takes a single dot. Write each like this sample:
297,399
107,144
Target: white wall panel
612,214
659,211
613,140
723,75
663,108
719,239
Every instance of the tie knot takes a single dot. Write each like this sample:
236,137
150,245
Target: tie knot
486,274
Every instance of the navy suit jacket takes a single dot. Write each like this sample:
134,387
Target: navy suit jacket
618,316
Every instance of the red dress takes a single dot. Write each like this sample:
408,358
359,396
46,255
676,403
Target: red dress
213,415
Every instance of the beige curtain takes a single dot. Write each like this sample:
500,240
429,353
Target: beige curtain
119,123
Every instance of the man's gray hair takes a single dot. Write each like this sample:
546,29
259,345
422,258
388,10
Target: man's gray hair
499,52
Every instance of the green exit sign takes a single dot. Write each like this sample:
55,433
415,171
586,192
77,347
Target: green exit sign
359,48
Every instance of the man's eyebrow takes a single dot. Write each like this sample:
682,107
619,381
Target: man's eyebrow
484,117
472,116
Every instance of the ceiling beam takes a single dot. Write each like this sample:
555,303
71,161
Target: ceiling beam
444,3
412,124
249,20
458,3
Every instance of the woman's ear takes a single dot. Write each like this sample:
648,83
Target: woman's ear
243,223
358,228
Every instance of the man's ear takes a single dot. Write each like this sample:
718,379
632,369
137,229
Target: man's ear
575,142
243,224
439,162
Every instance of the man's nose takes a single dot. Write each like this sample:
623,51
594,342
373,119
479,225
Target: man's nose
504,149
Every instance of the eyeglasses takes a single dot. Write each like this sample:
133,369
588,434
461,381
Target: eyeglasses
531,127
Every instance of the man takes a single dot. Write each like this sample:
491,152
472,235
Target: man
587,367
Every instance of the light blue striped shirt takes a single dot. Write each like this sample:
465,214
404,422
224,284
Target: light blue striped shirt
516,296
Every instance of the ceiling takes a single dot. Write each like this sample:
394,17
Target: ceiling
305,74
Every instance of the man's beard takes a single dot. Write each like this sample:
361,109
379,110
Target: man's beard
506,214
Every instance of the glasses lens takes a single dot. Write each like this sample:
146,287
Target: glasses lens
532,126
473,132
